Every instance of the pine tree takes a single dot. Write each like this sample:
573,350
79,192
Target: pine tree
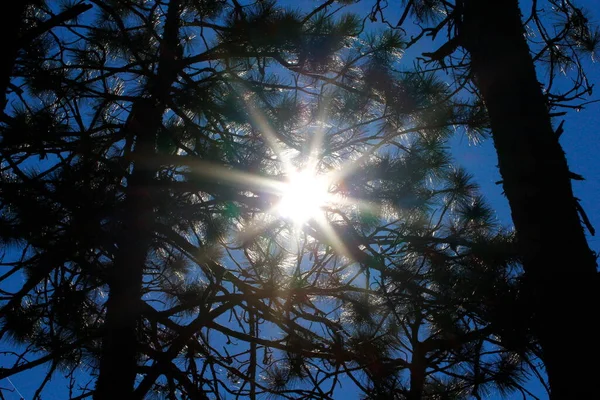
140,171
24,30
502,50
534,169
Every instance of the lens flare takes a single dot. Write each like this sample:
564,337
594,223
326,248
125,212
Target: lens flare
303,196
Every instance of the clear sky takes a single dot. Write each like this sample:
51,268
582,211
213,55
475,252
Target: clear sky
580,142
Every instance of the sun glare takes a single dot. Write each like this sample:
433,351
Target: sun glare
303,196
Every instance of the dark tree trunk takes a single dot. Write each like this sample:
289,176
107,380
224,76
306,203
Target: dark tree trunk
120,344
560,269
418,366
118,359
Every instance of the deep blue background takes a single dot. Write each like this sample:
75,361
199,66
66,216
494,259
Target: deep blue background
580,142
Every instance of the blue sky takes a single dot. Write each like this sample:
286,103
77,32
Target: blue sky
580,142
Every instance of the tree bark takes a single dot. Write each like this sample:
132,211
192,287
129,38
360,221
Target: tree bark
560,268
418,367
120,344
118,359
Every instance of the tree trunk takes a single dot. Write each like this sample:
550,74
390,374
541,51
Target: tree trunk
560,269
118,360
418,366
120,344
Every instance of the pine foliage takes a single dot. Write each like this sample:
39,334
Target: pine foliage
163,129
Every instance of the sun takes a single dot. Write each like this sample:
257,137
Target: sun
303,196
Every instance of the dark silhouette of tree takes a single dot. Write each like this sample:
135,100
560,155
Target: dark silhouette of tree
537,183
493,51
143,154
